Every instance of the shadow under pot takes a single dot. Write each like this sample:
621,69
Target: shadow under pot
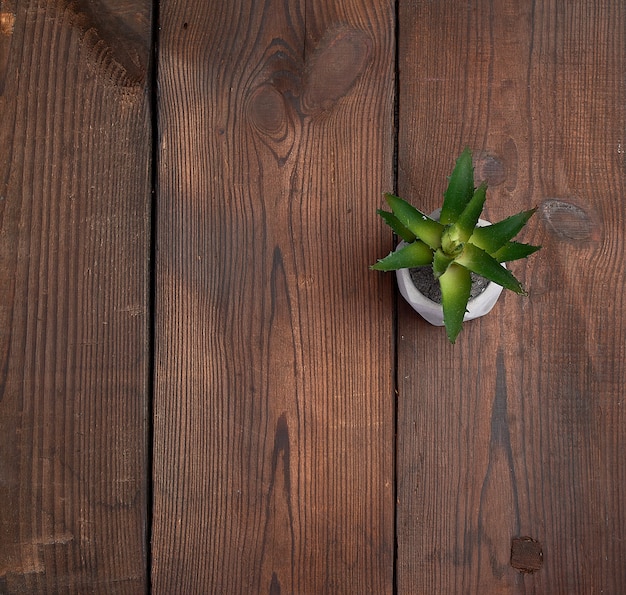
421,290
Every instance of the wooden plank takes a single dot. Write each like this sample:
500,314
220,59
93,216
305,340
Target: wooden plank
510,443
273,395
74,248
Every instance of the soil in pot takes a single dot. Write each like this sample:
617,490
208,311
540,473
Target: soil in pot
426,283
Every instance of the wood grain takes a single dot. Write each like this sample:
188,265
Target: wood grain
516,434
274,369
74,246
274,364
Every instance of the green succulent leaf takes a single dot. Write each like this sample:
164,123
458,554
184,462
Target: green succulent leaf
492,237
426,229
400,230
514,251
478,261
441,262
466,223
460,189
456,284
409,256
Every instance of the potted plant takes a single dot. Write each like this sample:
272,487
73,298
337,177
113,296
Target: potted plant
462,255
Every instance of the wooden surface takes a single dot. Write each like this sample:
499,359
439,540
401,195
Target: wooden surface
518,430
74,242
295,428
274,395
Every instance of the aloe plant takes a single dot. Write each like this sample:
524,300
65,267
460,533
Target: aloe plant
455,245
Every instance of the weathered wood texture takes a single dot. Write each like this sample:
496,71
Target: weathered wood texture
74,248
274,371
518,430
274,364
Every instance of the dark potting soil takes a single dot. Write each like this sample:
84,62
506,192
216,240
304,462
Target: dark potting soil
424,280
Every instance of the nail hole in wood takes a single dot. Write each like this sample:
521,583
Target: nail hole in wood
526,554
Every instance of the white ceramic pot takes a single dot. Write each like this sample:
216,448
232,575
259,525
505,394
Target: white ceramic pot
432,311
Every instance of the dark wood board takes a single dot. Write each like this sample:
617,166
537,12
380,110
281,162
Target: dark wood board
274,402
74,282
511,467
274,369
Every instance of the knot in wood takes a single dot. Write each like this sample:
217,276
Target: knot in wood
266,110
489,169
566,220
334,68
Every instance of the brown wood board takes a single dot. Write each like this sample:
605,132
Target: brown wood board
274,370
510,467
275,347
74,246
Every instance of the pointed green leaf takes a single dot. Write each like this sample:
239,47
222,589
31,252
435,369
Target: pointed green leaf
460,189
425,228
514,251
392,221
492,237
441,262
456,285
409,256
466,223
478,261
